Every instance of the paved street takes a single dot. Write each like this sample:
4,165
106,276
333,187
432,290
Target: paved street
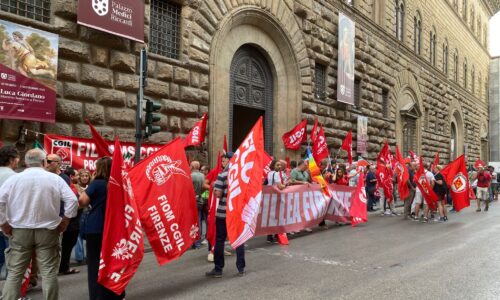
386,259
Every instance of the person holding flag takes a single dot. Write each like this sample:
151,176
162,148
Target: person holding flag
221,193
441,190
419,194
483,185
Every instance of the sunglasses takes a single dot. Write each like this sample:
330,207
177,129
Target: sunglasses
51,161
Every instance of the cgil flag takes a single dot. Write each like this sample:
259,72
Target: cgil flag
122,244
455,175
295,137
314,131
425,188
358,210
245,187
347,146
102,148
320,148
384,171
166,201
196,135
403,175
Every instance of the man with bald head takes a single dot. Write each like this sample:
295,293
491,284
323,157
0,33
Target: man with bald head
198,179
34,190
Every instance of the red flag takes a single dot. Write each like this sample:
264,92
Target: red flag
25,283
347,146
403,175
358,210
225,144
384,171
267,160
436,162
245,187
314,132
212,200
287,159
479,164
455,175
295,137
425,187
101,145
320,148
413,156
196,135
165,196
122,243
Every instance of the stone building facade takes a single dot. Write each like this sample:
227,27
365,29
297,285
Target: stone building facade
421,71
494,97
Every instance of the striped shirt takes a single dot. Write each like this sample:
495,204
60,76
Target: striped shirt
221,186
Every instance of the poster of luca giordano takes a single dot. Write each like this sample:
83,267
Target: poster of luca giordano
345,72
28,73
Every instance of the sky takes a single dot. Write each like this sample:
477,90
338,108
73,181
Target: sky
495,35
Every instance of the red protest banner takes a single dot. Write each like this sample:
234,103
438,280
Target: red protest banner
122,244
81,153
165,196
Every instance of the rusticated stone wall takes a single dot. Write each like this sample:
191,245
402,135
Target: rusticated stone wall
97,73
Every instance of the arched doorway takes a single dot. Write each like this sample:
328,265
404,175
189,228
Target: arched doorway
250,96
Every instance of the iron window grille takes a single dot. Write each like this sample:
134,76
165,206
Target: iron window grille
320,82
38,10
165,28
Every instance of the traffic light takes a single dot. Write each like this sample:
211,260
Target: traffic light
151,118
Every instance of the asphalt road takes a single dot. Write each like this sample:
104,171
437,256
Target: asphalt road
388,258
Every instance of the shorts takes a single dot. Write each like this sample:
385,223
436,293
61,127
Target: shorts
419,198
483,193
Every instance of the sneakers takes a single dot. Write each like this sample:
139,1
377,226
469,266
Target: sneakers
486,208
210,257
425,220
414,218
445,218
214,274
386,213
204,242
478,210
393,213
227,253
242,273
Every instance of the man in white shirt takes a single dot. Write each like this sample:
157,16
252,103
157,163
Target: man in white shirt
29,212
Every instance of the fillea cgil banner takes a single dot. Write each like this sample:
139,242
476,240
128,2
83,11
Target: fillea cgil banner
120,17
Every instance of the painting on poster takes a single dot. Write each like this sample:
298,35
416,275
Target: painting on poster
362,135
119,17
345,71
28,73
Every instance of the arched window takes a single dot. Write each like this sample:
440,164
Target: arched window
472,80
400,20
464,9
432,48
455,64
472,20
480,86
479,29
465,73
445,57
417,33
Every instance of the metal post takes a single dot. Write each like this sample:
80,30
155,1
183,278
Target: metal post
138,110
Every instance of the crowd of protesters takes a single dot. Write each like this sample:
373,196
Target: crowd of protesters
71,206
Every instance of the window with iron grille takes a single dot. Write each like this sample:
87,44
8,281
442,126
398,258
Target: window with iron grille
385,103
357,92
319,82
165,28
33,9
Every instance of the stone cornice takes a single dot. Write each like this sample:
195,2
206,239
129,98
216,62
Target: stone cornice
492,5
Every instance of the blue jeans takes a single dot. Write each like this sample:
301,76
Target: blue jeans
4,244
202,218
79,250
